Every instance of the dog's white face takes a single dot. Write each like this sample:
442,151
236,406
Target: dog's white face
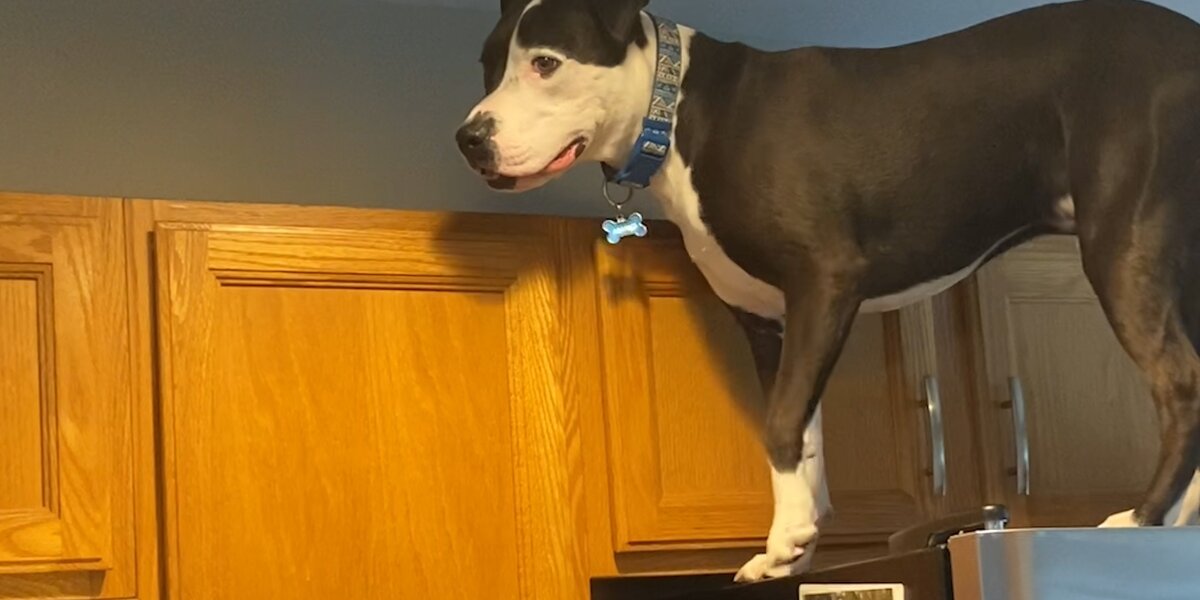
560,77
547,110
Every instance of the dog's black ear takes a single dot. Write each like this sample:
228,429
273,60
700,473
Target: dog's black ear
622,18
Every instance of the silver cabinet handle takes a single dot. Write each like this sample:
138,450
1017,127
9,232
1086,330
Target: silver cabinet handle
937,435
1016,396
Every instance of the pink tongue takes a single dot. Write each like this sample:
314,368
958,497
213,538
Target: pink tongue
563,161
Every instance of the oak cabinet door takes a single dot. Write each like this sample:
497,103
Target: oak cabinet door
687,468
365,412
1073,433
66,513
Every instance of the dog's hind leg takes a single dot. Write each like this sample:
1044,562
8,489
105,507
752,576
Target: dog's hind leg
1138,212
1135,287
1185,513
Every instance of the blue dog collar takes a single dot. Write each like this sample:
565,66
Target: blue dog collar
652,146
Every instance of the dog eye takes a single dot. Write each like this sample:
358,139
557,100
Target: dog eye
546,65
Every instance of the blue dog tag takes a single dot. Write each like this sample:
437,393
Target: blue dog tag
622,227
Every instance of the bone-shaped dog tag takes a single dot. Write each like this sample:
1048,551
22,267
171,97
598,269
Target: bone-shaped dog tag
623,227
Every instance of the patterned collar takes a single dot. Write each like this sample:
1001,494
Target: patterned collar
652,146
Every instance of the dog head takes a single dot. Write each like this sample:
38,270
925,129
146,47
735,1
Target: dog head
565,82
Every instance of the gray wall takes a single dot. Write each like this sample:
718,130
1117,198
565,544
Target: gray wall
320,102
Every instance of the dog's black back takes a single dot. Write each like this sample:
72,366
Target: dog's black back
916,160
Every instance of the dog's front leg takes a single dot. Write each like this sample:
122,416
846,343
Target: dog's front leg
801,501
817,322
766,344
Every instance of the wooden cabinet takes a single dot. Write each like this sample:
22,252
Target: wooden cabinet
368,405
690,480
1084,439
324,402
66,510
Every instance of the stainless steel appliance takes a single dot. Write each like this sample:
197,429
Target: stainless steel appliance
1077,564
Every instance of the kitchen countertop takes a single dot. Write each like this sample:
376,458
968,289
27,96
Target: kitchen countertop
925,574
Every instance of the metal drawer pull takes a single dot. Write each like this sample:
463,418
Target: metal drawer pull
1016,395
937,435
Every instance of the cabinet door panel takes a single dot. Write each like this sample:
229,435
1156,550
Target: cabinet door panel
1063,384
65,510
688,476
1092,431
365,413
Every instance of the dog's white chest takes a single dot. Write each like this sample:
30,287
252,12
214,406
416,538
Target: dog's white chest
731,283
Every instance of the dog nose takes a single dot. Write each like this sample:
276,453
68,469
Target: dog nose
471,136
475,141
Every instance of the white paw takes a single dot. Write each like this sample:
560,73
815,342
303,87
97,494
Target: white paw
789,552
1121,519
763,567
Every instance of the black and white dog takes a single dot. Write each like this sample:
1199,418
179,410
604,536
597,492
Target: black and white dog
816,183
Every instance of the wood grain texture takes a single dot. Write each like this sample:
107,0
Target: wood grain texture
1091,425
23,463
70,533
868,513
417,371
688,475
389,253
139,255
633,278
698,404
